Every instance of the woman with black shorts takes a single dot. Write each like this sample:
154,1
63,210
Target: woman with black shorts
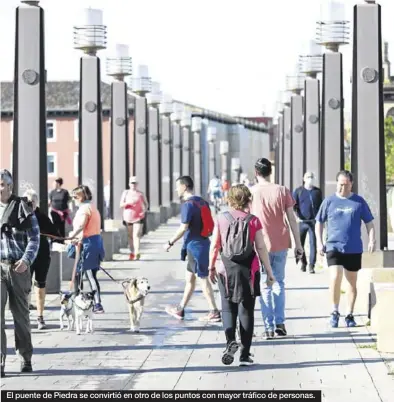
40,266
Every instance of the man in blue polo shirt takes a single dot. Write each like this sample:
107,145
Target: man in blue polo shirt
344,212
195,249
308,199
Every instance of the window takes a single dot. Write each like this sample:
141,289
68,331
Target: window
76,130
390,113
51,130
52,163
76,161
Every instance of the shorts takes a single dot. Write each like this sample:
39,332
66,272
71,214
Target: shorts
351,262
216,194
195,267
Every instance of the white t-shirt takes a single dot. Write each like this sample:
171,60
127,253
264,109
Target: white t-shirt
214,184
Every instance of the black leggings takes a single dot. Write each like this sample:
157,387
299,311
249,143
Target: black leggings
230,312
59,224
93,283
40,268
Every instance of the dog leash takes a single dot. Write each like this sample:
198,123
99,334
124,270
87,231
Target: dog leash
122,283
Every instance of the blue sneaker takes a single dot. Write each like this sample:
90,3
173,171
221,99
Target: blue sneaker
349,319
98,309
334,320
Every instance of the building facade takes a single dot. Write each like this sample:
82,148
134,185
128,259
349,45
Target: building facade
61,130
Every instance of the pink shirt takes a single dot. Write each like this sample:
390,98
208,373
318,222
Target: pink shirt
270,202
254,226
134,210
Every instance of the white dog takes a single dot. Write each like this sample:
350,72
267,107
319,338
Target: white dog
67,310
136,290
83,306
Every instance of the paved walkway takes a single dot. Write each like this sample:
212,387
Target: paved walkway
169,354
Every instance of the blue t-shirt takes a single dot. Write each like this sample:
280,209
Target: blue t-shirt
190,213
344,217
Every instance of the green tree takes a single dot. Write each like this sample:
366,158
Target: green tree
389,148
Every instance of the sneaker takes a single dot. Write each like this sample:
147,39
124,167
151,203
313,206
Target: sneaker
32,307
303,267
41,323
26,367
349,319
230,351
212,316
311,269
131,256
334,320
280,330
246,361
269,334
176,312
98,309
138,256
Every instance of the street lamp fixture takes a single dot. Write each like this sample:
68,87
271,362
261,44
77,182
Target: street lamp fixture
223,147
165,107
333,29
154,97
177,112
186,119
120,65
91,36
312,63
141,83
196,124
211,134
295,82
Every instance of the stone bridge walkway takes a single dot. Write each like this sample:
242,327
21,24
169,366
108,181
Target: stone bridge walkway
169,354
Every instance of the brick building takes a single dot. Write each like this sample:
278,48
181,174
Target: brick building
62,102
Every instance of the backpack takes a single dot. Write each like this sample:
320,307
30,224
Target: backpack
238,246
206,218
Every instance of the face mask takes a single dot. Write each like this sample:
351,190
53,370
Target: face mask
309,182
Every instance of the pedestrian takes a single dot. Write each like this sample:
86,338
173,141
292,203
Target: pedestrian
135,207
273,205
107,200
225,188
308,199
59,199
239,238
344,212
196,227
41,264
86,237
19,241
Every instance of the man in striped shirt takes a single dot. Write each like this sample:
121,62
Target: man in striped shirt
19,243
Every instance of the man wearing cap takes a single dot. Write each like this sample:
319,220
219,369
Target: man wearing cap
308,199
135,206
273,204
19,244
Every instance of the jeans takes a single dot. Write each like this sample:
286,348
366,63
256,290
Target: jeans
305,228
244,312
272,299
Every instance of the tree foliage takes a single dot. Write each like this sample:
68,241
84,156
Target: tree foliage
389,148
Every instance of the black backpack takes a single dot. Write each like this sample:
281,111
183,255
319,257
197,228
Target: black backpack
238,246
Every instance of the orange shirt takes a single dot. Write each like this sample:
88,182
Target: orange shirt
93,226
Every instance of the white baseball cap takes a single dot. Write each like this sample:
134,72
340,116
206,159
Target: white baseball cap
133,179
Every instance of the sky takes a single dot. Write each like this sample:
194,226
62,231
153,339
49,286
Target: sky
224,55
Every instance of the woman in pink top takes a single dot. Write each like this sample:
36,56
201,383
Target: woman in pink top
134,206
239,282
